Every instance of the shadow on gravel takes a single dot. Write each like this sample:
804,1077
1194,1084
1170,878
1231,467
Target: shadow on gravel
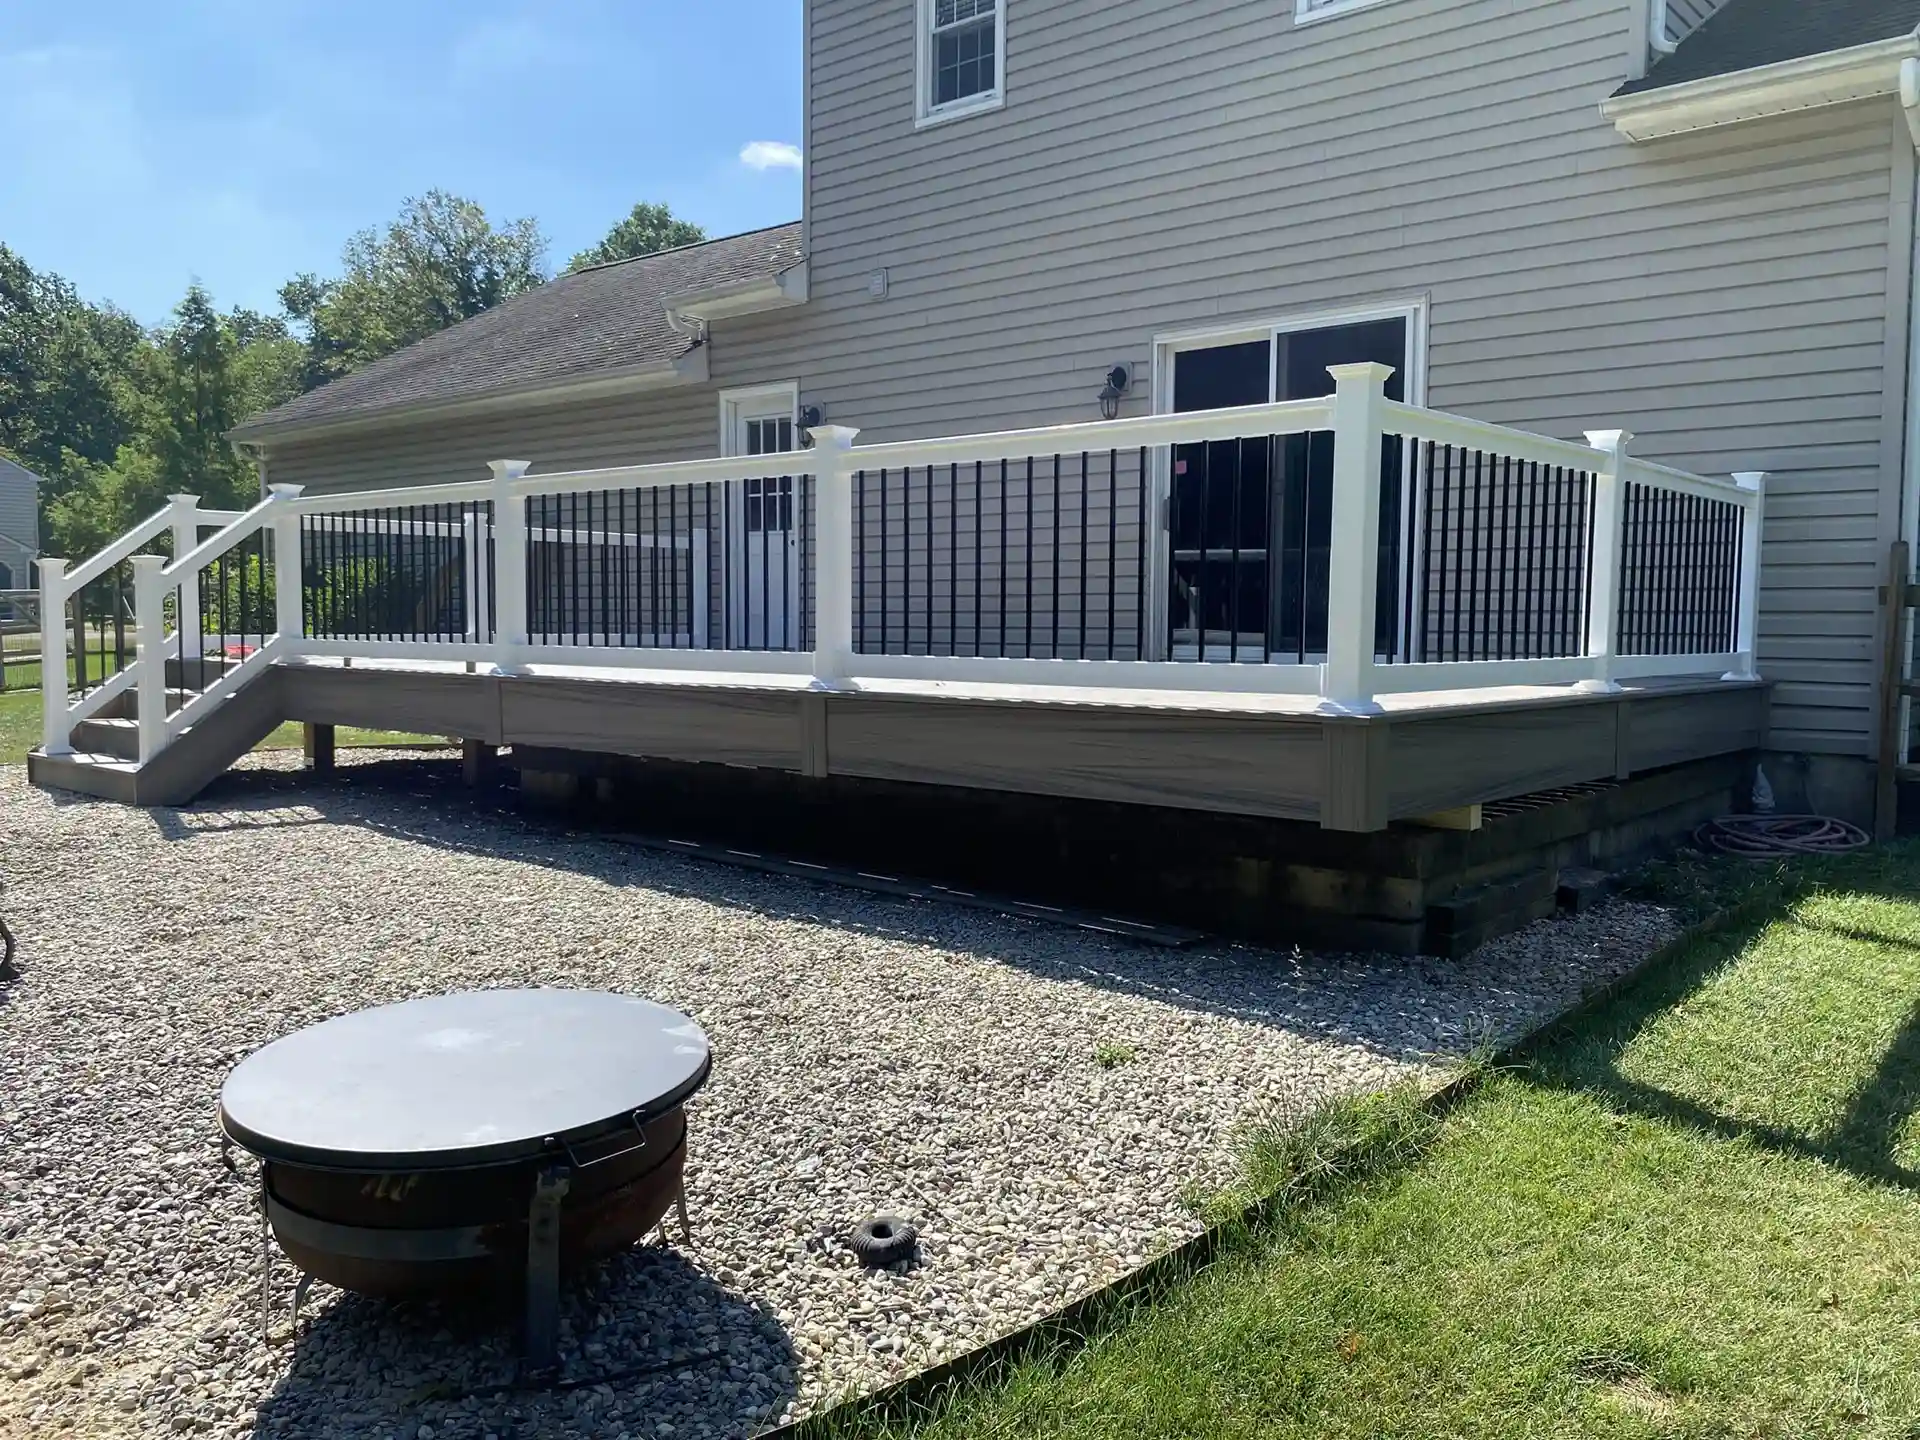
646,1338
1403,1009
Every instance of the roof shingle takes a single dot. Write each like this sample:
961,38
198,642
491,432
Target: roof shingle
590,322
1746,34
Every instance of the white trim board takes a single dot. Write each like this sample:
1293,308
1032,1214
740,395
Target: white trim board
1861,72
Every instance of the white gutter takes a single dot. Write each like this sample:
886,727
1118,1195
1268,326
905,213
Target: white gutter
1862,72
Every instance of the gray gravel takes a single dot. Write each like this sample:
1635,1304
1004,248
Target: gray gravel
870,1055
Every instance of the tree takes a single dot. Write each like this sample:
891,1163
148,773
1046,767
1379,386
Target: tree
649,228
440,262
67,392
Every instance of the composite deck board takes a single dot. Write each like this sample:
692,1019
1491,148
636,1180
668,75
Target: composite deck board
1256,766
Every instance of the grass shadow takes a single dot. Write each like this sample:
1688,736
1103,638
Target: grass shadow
1586,1053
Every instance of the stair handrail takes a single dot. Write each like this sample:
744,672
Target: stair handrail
153,578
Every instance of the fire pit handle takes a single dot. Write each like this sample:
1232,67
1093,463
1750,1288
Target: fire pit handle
638,1119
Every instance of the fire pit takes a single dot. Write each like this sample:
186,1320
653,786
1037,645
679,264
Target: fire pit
484,1141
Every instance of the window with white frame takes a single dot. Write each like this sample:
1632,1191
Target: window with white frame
961,53
1308,10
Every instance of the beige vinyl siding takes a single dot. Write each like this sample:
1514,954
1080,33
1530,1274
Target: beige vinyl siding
1159,168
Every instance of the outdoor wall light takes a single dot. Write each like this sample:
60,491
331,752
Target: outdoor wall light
1117,381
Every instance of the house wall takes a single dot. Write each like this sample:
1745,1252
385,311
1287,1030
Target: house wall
1737,298
19,520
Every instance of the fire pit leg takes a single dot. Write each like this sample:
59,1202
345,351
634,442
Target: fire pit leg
266,1266
543,1269
686,1226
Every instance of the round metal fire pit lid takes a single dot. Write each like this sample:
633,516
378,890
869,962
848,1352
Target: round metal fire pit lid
480,1078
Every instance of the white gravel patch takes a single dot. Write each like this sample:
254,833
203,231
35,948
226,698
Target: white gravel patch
870,1055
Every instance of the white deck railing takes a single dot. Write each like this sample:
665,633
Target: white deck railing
1054,557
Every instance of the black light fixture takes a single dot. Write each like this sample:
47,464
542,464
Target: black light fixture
809,417
1118,379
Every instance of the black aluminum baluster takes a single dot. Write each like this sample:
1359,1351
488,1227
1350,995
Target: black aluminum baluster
1081,647
1054,617
979,525
860,560
1233,563
1026,639
886,613
953,559
1139,556
1113,542
1002,606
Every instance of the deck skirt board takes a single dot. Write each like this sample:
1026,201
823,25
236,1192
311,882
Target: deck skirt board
1449,761
1257,765
701,723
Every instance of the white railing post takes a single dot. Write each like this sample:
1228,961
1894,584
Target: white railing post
1359,398
833,468
509,564
150,652
474,564
186,535
1609,520
289,610
56,728
1752,531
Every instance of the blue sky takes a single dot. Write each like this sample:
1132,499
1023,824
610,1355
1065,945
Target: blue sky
152,142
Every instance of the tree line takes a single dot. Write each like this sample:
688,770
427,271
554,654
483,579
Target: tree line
116,416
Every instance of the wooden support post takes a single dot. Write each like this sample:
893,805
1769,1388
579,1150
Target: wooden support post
317,741
477,763
1893,617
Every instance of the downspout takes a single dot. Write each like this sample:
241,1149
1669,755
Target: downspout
1910,477
1658,40
258,455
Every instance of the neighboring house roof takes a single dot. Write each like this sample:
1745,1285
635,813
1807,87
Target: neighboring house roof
609,320
1747,34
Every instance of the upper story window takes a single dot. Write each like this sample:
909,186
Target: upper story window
960,56
1306,10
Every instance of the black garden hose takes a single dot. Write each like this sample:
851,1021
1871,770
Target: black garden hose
1778,837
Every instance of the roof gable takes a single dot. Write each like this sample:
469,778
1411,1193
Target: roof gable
578,326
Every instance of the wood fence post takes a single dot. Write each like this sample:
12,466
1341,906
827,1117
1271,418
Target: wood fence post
56,728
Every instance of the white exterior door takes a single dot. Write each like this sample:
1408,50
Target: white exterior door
765,563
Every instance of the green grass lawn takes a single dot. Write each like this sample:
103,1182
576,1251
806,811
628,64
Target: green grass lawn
1696,1213
20,731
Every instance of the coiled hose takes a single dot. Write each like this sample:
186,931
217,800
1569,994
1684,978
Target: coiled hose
1777,837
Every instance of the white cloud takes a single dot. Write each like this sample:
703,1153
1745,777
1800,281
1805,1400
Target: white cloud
770,155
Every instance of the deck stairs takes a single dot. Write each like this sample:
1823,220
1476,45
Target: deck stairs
106,747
